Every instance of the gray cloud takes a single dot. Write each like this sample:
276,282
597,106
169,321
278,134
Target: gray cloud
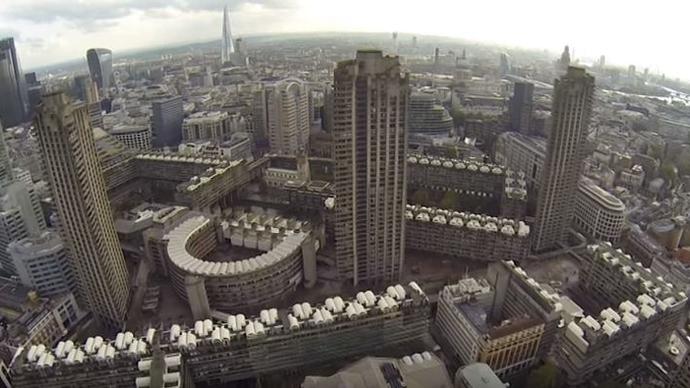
9,33
34,43
84,14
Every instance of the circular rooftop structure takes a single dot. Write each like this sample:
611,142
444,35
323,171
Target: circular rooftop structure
250,282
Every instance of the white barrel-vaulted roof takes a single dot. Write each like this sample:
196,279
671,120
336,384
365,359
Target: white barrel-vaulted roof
179,237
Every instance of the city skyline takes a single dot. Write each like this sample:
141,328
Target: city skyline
46,31
265,211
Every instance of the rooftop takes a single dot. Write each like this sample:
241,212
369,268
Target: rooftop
675,347
535,143
601,196
227,328
289,232
655,297
30,245
419,370
13,294
471,221
458,164
129,128
205,117
480,375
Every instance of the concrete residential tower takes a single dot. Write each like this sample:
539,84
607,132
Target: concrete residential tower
72,168
565,151
369,129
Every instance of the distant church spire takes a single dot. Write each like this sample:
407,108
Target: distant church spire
228,47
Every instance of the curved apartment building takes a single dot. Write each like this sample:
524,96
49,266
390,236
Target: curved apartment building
210,281
598,214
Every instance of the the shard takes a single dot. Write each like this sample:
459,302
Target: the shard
228,48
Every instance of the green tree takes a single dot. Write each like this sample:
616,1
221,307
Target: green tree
545,376
683,167
656,151
669,172
421,197
450,200
458,116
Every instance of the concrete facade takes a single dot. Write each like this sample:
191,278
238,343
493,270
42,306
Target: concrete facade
370,135
464,235
565,152
598,214
289,260
86,222
522,153
20,217
643,309
287,119
509,345
493,183
41,263
237,347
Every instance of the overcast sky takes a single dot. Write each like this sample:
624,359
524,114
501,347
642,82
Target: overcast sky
644,33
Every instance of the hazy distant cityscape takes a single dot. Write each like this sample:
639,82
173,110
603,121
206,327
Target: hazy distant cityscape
342,210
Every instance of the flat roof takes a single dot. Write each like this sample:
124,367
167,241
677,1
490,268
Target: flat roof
475,313
12,293
601,196
480,375
536,143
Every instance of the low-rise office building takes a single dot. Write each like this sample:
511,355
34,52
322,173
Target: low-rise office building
519,295
508,341
41,263
522,153
20,217
53,320
632,178
133,136
238,147
31,319
642,246
212,126
484,130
